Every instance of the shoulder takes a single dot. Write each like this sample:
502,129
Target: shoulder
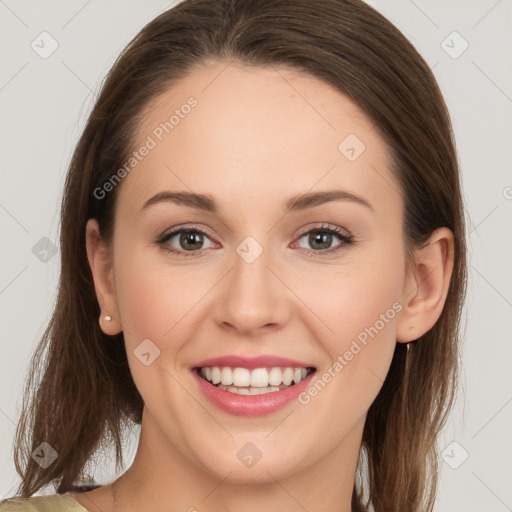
50,503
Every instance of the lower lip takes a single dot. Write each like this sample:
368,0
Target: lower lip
251,405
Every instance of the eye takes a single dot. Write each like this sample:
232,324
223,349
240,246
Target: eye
188,239
321,238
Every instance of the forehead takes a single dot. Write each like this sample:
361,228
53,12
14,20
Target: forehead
240,132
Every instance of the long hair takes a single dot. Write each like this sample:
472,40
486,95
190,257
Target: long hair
80,395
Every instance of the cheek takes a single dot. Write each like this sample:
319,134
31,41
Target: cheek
153,303
153,300
361,297
361,306
141,303
369,302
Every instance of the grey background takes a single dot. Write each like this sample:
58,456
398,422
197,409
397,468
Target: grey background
44,103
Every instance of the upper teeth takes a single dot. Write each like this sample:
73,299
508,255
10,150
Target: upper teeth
256,378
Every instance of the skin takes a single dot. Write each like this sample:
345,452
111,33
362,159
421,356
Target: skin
254,128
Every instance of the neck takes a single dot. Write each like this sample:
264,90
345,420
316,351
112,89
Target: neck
164,477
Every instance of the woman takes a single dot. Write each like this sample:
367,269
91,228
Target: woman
263,265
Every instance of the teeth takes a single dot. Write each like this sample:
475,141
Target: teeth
275,377
249,390
226,376
253,382
259,378
241,377
287,376
215,375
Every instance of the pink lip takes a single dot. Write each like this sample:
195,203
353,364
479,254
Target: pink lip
250,362
251,405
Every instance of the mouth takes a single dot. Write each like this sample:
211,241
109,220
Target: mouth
252,386
253,381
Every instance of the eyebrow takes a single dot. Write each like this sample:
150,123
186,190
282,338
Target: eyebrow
299,202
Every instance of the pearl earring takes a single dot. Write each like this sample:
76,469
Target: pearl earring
108,318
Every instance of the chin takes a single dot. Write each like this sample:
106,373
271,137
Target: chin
248,464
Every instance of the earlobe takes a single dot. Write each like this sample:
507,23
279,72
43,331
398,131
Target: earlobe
426,286
100,263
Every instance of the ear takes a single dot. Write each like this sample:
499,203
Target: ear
426,286
100,262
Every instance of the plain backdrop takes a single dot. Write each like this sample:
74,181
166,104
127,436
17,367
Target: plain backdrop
44,101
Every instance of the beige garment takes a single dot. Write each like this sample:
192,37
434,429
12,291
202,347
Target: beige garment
50,503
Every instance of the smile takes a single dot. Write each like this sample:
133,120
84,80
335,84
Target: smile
252,386
258,381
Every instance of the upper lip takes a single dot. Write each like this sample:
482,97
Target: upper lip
261,361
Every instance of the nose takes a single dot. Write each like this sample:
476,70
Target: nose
251,299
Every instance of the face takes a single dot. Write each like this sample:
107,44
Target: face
273,272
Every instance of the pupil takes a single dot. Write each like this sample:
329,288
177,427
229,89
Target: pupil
326,237
190,237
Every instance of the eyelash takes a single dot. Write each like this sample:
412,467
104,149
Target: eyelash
346,239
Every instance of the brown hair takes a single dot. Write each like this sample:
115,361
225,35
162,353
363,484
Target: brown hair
80,394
